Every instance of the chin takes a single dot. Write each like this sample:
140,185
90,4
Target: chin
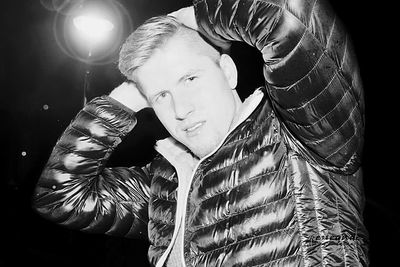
199,154
204,146
202,151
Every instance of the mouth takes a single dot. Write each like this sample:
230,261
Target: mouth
194,129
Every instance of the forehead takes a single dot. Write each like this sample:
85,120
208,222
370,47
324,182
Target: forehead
168,63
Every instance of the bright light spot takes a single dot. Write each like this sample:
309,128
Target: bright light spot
45,107
92,28
23,153
91,31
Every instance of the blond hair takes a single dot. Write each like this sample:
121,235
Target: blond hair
152,35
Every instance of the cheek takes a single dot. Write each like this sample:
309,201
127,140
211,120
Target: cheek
228,111
166,118
221,102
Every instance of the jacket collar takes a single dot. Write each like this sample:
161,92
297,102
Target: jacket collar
247,108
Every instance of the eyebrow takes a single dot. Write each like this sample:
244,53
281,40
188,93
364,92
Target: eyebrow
188,73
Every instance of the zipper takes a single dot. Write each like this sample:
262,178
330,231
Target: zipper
258,94
258,97
183,219
182,198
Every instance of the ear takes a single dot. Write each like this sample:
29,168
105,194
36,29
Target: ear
228,66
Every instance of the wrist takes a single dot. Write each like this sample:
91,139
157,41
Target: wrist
128,95
119,104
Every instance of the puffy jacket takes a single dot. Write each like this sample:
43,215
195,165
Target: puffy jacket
284,188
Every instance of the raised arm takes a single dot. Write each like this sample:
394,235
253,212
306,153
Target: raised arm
77,191
310,70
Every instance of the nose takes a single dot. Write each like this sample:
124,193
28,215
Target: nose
183,105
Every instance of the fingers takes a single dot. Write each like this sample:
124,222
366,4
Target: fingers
129,95
186,16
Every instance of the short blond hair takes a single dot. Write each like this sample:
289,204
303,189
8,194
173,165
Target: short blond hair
152,35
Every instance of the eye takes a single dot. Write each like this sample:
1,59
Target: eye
191,78
161,97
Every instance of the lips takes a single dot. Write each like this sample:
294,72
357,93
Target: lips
193,128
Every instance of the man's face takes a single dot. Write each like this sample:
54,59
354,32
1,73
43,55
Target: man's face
191,94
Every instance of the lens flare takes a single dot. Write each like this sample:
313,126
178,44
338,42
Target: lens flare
92,29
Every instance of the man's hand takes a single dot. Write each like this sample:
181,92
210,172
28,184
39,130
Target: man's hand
187,17
129,95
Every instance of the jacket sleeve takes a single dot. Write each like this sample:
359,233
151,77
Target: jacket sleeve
77,191
310,70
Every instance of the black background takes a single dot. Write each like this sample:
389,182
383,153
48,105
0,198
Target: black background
35,72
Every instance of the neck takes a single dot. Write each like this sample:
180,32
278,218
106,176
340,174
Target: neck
244,109
238,109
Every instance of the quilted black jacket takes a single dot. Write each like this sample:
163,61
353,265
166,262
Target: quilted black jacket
285,186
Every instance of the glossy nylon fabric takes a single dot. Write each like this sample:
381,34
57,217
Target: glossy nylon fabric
77,191
285,188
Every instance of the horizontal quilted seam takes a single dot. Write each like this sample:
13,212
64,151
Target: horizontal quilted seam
291,227
231,215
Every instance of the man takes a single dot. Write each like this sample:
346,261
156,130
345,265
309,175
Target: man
273,181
